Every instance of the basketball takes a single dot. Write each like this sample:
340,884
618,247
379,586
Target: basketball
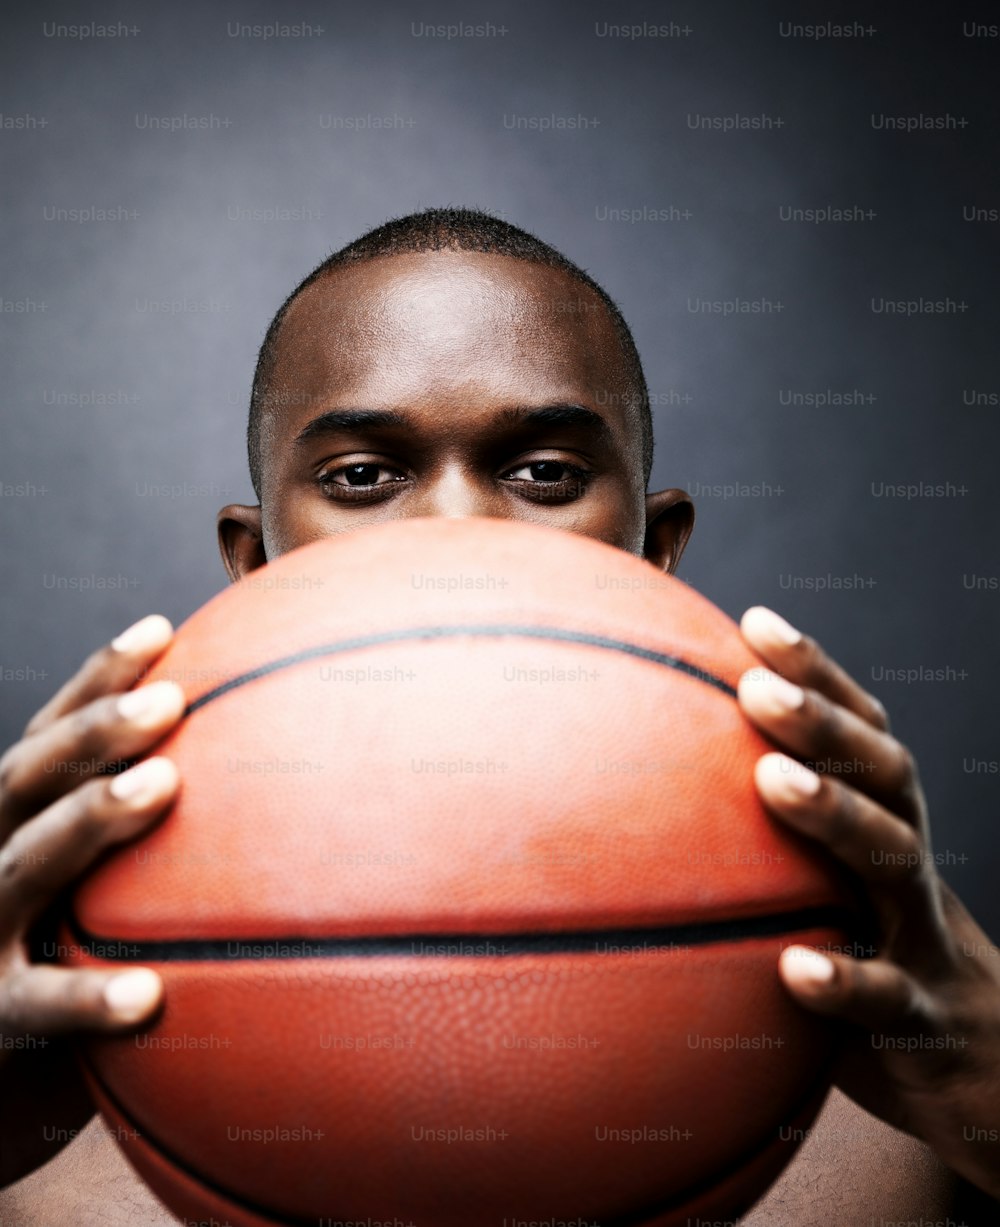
468,912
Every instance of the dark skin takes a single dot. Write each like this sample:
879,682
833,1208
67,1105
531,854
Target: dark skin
482,346
503,405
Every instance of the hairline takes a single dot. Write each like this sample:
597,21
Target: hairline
355,253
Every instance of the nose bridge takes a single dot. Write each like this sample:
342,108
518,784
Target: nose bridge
453,490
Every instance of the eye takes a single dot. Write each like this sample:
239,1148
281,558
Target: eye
550,480
542,470
367,479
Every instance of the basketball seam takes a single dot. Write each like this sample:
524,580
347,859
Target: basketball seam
468,945
443,632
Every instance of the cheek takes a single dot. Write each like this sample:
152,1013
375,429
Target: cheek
290,520
615,520
299,517
627,528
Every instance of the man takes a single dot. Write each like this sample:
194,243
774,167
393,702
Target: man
449,364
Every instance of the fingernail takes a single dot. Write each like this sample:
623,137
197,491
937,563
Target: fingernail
131,995
785,693
143,636
782,695
144,781
798,778
811,965
149,705
774,625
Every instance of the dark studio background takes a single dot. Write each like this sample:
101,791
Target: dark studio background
160,310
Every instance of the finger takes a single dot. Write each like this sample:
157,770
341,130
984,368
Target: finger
47,853
872,993
795,656
884,851
84,743
112,668
44,1000
866,837
832,739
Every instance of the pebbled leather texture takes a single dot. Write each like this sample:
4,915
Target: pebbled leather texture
448,791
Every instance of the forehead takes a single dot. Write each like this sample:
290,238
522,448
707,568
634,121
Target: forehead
444,321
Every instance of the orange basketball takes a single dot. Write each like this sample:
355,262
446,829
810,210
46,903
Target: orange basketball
468,910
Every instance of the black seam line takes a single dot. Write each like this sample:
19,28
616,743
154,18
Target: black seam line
610,942
447,632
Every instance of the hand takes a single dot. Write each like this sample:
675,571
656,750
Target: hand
924,1015
60,808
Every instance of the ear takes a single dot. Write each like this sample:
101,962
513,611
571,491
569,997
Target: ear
669,524
241,540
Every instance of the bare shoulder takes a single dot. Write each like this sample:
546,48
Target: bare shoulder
88,1183
853,1168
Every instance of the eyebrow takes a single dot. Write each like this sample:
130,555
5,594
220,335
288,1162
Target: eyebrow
357,420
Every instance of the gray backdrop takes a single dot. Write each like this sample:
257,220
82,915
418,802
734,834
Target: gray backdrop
166,181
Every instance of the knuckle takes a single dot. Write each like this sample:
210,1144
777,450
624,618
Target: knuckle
22,860
38,721
89,728
93,811
851,974
878,715
912,845
100,662
98,672
910,855
826,725
82,724
11,861
814,661
914,1010
841,819
79,993
904,860
12,772
15,1006
903,769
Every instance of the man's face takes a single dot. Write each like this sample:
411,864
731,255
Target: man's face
452,384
